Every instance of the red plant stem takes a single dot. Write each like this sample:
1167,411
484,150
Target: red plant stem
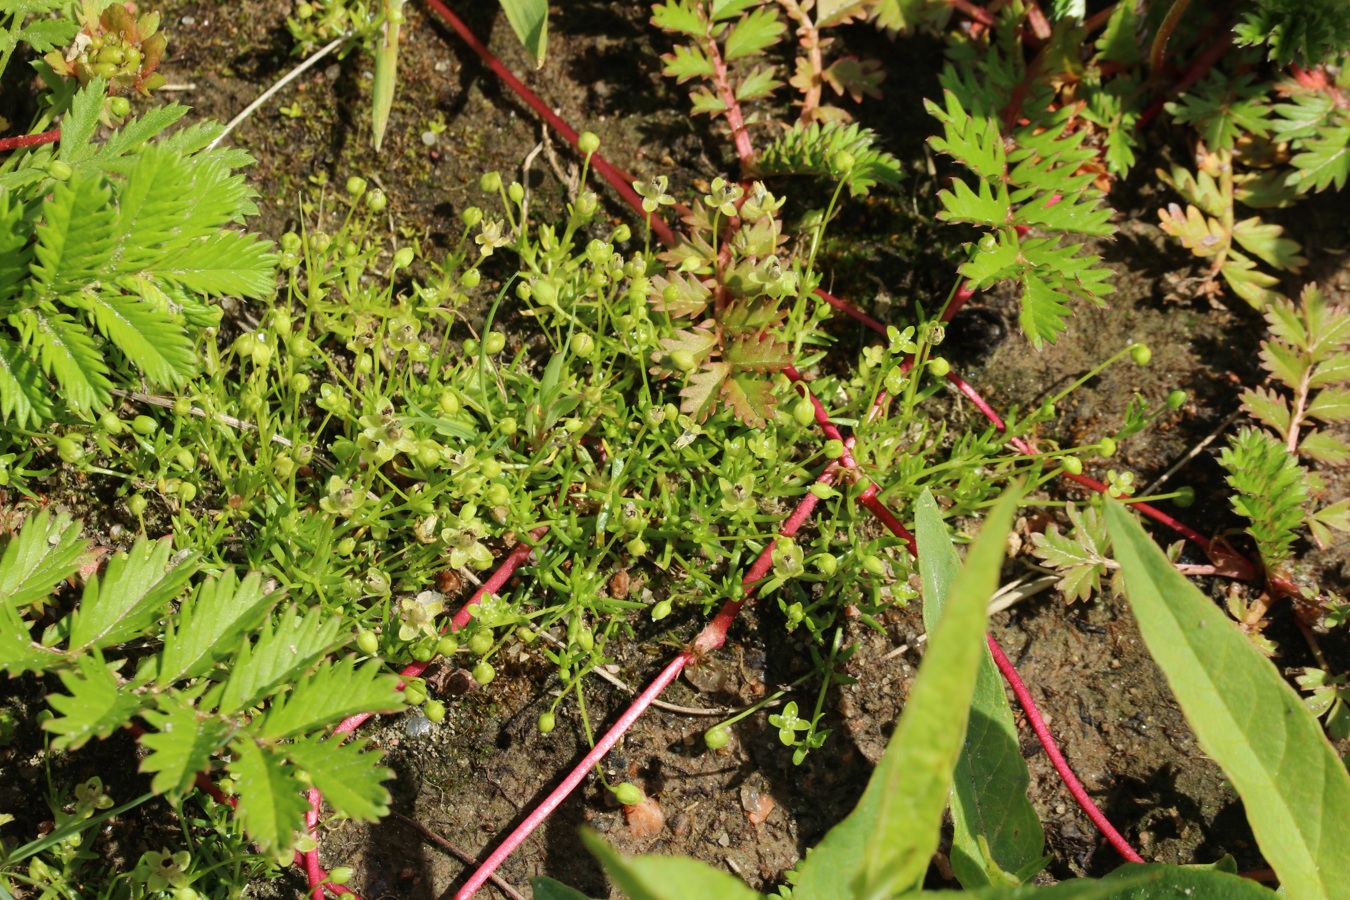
1047,740
851,311
1158,53
712,636
30,140
514,560
600,164
735,120
975,13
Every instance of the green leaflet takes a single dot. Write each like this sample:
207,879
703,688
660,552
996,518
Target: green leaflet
529,20
666,877
548,889
1294,786
989,786
133,592
45,552
270,803
95,707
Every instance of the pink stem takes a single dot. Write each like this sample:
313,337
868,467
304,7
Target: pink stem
30,140
735,119
514,560
1061,765
601,165
852,311
710,638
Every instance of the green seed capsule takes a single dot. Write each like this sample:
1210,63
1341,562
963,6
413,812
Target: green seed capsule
939,367
508,426
582,345
185,459
136,503
874,565
804,412
144,425
367,642
182,407
588,143
834,449
628,794
111,424
434,711
660,610
1072,464
341,874
586,639
356,186
547,722
494,343
447,645
187,491
1141,354
717,737
70,449
376,201
345,547
1107,447
636,547
483,673
423,652
1176,399
481,642
827,563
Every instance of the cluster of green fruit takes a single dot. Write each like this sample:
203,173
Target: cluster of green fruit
117,46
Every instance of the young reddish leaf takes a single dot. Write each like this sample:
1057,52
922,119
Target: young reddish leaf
1203,237
855,77
679,296
757,353
701,391
750,397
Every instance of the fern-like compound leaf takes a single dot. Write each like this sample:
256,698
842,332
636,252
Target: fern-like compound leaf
329,694
68,355
133,592
228,262
181,744
96,705
350,777
270,803
151,339
287,646
1270,492
210,624
24,394
75,238
47,550
1308,32
810,149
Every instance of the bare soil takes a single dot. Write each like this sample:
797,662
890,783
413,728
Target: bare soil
747,808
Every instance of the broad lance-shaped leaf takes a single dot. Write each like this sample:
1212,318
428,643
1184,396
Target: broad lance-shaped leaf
46,551
884,846
666,877
131,594
270,803
95,707
181,744
329,694
209,625
350,777
529,20
547,889
1293,785
1132,882
386,70
989,785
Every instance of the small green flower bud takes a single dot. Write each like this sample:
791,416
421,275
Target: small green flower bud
447,645
628,794
1072,464
70,449
1047,410
494,343
434,711
1185,497
490,183
356,186
582,345
1141,354
299,382
586,639
717,737
416,692
483,673
498,495
59,170
187,491
403,258
1107,447
319,242
448,403
471,279
874,565
481,642
804,412
290,242
1176,399
827,563
283,467
842,162
367,642
120,107
136,504
660,610
144,425
341,874
588,143
470,347
834,449
823,491
508,426
939,367
185,459
376,201
621,235
988,243
547,722
110,423
636,547
515,192
471,216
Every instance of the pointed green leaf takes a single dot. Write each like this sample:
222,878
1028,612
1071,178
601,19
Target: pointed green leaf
665,877
287,646
134,590
1293,785
1268,407
529,20
24,390
990,783
19,653
210,623
757,30
332,693
69,356
152,340
75,239
229,262
270,803
79,124
181,744
1331,405
349,776
701,391
96,706
1325,448
547,889
46,551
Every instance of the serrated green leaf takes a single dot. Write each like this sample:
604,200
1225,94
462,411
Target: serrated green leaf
680,17
96,706
1224,108
1081,559
350,777
46,551
974,141
1327,449
181,744
1248,282
75,239
705,102
665,877
750,397
209,624
977,207
529,20
24,391
757,85
1331,405
701,391
726,9
1202,235
134,134
1071,215
330,693
1322,161
1284,362
78,125
1294,787
286,647
1264,241
990,782
1271,491
1337,515
270,804
757,30
19,653
757,352
133,592
150,339
686,63
1268,407
1118,42
228,262
1044,311
68,355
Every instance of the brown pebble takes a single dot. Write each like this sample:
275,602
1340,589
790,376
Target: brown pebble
644,819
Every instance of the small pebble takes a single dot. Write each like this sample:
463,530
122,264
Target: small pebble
417,725
187,20
429,138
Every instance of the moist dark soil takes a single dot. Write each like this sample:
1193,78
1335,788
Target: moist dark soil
747,808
